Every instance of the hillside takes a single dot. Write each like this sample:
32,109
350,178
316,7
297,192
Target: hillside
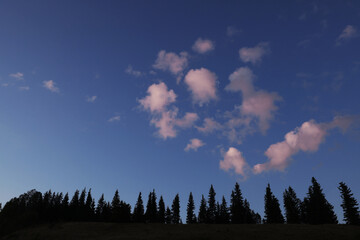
107,231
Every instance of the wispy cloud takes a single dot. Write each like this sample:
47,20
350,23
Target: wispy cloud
232,31
233,159
306,138
203,46
24,88
202,84
114,118
209,126
17,76
50,85
348,33
91,99
254,54
194,144
129,70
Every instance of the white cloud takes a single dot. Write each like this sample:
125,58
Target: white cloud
5,84
24,88
254,54
172,62
194,144
91,99
50,85
209,126
348,33
203,46
256,104
114,118
129,70
306,138
17,76
158,98
202,84
233,159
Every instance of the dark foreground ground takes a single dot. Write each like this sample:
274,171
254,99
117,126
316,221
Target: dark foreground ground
107,231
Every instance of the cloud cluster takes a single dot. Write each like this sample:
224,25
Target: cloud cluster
348,33
50,85
166,120
203,46
233,159
254,54
209,126
129,70
194,144
202,84
17,76
306,138
172,62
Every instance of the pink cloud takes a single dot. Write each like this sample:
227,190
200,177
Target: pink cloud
158,98
254,54
306,138
203,46
348,33
202,84
194,144
171,62
233,159
209,126
50,85
17,76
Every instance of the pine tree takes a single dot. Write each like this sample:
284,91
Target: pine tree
211,210
161,210
190,216
88,207
168,216
202,210
224,212
116,207
237,206
74,206
100,208
151,208
317,209
349,205
272,208
292,206
175,210
138,214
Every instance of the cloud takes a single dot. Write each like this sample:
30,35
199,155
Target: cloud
24,88
4,84
255,54
129,70
203,46
158,98
172,62
232,31
167,122
50,85
306,138
91,99
114,118
256,104
17,76
194,144
209,126
348,33
202,84
233,159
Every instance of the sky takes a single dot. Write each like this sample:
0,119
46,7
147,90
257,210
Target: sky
177,95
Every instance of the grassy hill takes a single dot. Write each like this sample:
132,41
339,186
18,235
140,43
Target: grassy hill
107,231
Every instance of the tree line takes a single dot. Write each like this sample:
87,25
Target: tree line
34,207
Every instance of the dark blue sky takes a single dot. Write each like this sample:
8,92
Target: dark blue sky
178,95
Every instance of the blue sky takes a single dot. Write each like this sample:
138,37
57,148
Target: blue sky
136,95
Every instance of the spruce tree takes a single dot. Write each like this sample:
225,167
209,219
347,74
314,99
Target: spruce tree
237,205
161,211
202,210
74,206
168,216
211,210
116,207
317,209
272,208
100,208
190,216
349,205
151,208
292,206
175,210
138,214
224,212
88,206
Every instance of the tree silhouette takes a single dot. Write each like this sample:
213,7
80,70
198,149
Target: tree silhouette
272,208
202,210
89,207
292,206
168,216
161,210
237,205
190,215
175,210
224,216
349,205
317,209
74,206
151,208
211,210
116,207
99,211
138,214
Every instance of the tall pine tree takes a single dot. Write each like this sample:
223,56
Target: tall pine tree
292,206
202,210
138,214
237,212
349,205
224,215
272,208
175,210
211,210
161,211
190,216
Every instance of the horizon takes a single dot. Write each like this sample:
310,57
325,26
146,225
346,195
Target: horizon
176,96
